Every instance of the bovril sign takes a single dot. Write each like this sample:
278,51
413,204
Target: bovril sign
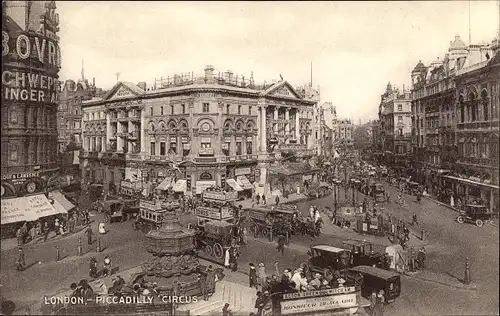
29,67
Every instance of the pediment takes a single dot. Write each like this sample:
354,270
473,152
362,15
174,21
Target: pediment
283,89
121,91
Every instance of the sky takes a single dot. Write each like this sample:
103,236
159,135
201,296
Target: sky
355,48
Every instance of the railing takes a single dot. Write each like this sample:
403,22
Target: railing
286,147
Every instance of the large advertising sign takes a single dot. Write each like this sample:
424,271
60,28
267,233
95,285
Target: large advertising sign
35,81
316,304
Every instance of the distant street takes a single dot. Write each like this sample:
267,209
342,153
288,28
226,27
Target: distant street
450,243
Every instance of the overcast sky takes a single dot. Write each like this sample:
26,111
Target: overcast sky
355,47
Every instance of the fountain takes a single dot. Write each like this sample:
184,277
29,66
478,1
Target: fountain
174,266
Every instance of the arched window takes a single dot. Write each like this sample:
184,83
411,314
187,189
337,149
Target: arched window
473,106
462,108
484,101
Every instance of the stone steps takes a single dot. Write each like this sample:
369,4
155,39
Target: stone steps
241,300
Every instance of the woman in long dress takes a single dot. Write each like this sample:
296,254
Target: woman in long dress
102,229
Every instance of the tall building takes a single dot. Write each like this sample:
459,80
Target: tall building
69,112
395,125
212,130
477,119
31,60
343,134
433,115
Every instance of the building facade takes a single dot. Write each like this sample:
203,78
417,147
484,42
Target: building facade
477,112
395,125
69,111
208,129
31,60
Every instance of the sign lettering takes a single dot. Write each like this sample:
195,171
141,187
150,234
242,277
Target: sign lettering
27,45
339,290
208,212
13,176
149,205
29,87
221,196
322,303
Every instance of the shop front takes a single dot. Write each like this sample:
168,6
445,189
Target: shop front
472,191
292,178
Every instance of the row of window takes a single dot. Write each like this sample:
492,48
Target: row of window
205,144
205,109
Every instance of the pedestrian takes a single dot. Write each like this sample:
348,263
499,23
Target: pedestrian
71,224
244,236
106,271
252,276
281,244
21,261
102,228
89,233
211,279
56,226
45,231
19,236
421,258
263,199
257,198
202,278
261,274
93,268
277,200
227,258
378,309
226,311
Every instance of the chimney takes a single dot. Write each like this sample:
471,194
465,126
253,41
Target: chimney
209,73
93,82
142,85
229,76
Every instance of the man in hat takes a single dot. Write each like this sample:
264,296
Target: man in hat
281,244
297,279
315,282
252,276
261,274
202,278
421,258
21,261
89,234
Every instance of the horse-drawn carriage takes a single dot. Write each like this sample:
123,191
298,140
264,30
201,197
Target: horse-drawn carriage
377,192
120,209
150,216
214,237
267,221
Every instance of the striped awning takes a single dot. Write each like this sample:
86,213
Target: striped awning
165,184
233,184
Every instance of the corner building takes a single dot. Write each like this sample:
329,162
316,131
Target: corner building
30,65
202,131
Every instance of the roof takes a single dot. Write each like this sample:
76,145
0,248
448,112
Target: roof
218,223
292,168
328,248
457,44
420,66
381,273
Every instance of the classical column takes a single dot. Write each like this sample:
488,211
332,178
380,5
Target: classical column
103,143
129,130
108,127
263,142
179,146
232,146
275,118
287,124
119,139
142,128
297,126
259,129
191,134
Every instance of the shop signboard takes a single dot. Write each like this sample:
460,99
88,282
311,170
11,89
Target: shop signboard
221,196
203,185
184,140
186,146
317,301
208,212
149,205
206,151
226,212
307,178
242,171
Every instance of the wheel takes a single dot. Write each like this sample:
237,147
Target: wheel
265,232
460,219
479,223
218,251
209,250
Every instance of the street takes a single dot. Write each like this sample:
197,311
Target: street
449,244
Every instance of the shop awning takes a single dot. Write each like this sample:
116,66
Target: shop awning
468,181
28,208
233,184
61,200
165,184
180,186
244,182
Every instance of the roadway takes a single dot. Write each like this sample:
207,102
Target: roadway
450,243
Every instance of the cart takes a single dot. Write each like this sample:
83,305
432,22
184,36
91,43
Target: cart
214,237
